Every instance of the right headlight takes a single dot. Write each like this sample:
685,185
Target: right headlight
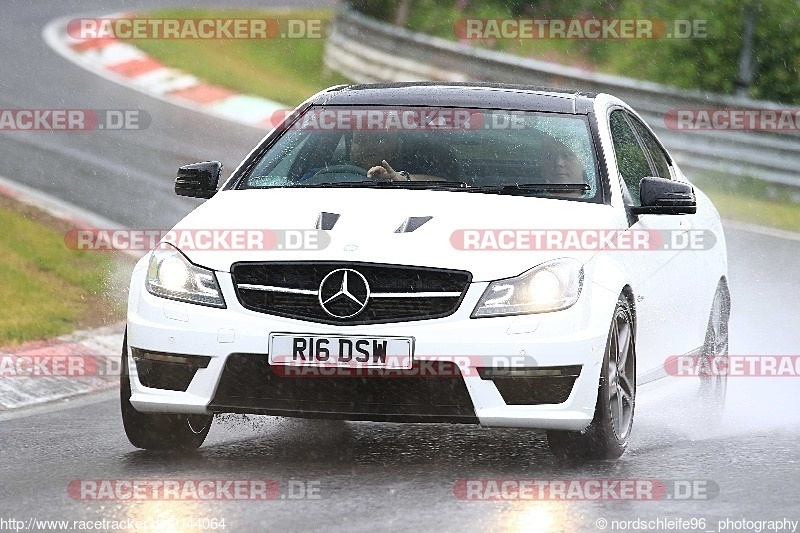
171,275
551,286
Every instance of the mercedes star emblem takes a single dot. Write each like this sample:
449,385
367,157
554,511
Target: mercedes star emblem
344,293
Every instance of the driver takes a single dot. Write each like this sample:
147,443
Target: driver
372,150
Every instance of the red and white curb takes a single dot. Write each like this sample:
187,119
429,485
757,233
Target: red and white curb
44,371
126,65
74,364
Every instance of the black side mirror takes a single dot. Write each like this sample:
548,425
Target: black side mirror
661,196
198,180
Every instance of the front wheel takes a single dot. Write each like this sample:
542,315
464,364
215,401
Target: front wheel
158,431
606,437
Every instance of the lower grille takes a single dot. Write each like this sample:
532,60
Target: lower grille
552,385
167,376
250,385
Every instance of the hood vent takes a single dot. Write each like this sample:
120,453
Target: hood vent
411,223
326,221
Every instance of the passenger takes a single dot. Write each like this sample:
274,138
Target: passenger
559,164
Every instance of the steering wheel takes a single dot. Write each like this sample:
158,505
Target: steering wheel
344,168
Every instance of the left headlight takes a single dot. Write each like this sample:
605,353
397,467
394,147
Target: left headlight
551,286
171,275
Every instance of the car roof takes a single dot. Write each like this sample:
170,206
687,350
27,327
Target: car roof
473,95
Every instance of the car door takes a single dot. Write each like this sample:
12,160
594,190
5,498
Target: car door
688,261
662,291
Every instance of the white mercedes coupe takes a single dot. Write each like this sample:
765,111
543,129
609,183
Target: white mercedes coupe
502,255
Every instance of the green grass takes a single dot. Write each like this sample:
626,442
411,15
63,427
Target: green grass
757,211
751,200
46,288
281,69
773,213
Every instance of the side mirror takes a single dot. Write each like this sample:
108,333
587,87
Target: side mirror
198,180
661,196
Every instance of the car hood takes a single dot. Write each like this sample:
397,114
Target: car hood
370,227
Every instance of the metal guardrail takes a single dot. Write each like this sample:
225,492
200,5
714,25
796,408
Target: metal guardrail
366,50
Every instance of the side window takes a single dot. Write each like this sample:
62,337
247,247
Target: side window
632,161
655,151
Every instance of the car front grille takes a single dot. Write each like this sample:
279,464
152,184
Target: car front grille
395,293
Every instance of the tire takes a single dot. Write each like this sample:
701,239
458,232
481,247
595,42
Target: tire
713,362
607,435
154,431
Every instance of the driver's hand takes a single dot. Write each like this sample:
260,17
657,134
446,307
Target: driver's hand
384,171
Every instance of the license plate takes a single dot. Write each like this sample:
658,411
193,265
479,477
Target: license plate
351,351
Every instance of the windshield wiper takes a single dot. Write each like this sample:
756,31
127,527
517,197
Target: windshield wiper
523,188
428,184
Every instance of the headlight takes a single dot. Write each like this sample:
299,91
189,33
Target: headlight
551,286
171,275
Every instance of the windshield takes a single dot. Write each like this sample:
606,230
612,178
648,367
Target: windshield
547,153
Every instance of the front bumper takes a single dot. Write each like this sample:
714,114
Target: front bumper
574,338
